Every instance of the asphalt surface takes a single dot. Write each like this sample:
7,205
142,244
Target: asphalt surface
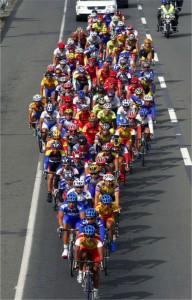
153,257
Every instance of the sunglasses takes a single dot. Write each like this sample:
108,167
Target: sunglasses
89,236
79,187
93,173
88,219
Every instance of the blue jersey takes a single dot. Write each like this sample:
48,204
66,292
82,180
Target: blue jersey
99,226
72,213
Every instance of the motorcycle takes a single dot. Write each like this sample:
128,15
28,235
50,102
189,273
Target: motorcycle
167,26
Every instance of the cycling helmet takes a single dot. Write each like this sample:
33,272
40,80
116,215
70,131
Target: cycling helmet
105,126
131,115
66,161
101,100
106,199
71,197
107,147
78,183
61,45
56,134
71,55
147,76
100,160
79,50
55,145
126,103
163,2
70,42
72,127
50,107
120,23
63,79
146,64
108,177
143,112
37,98
138,91
122,61
131,37
107,106
129,26
93,33
116,142
100,90
93,168
63,62
109,59
111,93
68,111
124,54
90,213
115,19
68,175
84,106
81,94
134,80
89,230
80,69
124,122
68,85
148,98
50,68
77,154
82,140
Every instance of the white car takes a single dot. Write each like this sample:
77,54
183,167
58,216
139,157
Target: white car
85,7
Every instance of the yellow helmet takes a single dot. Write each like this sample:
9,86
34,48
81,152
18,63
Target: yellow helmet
93,168
71,56
104,30
56,134
116,142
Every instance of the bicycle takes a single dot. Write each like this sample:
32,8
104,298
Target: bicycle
55,195
72,237
143,147
106,250
37,134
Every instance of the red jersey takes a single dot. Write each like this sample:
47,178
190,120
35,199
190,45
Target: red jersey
92,71
132,89
82,118
63,107
90,132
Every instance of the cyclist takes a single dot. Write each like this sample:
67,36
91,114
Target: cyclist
100,94
72,137
59,53
133,86
111,157
148,84
80,56
70,214
56,136
106,209
107,186
95,40
92,218
113,100
87,150
102,137
99,106
67,103
101,163
81,79
48,85
82,116
83,195
146,51
35,110
64,68
88,246
78,163
92,69
92,179
113,24
123,110
80,99
49,121
106,115
66,120
52,161
91,128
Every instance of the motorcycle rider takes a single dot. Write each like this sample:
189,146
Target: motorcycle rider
167,8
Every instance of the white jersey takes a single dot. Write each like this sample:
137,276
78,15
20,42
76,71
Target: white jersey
83,196
77,102
114,103
50,119
123,113
146,121
64,70
60,54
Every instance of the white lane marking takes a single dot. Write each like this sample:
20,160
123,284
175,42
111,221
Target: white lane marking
186,157
33,210
148,36
172,115
63,22
143,20
178,133
162,82
156,57
139,7
29,235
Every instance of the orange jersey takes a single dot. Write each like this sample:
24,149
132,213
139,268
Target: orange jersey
92,244
62,141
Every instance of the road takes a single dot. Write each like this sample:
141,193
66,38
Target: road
153,254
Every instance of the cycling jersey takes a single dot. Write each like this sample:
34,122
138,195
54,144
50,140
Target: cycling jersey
102,139
89,131
36,108
103,189
106,211
50,119
53,160
92,244
124,133
82,118
98,224
109,157
82,197
106,118
62,141
49,84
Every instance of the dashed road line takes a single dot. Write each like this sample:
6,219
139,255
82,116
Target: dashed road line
172,115
143,20
149,36
162,82
156,57
139,7
186,156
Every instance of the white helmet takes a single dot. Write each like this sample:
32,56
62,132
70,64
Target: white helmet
108,177
126,102
37,97
120,23
107,105
148,98
78,183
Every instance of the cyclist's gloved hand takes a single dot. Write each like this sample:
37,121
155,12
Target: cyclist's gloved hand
60,228
151,136
45,172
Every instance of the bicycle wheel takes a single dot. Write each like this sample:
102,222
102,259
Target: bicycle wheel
88,286
71,258
106,256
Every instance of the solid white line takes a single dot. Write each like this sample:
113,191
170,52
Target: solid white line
139,7
172,115
162,82
63,22
186,157
143,20
156,57
29,234
148,36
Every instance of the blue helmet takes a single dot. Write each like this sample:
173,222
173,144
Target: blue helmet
50,107
108,59
71,197
89,230
81,94
125,55
147,76
111,93
124,122
90,213
143,112
105,199
163,1
92,47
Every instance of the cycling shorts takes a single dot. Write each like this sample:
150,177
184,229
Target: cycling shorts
50,127
92,254
73,221
48,92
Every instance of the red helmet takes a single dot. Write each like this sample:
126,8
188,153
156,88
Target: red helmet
61,45
118,13
51,68
130,27
131,115
72,127
77,153
68,85
107,146
100,160
134,80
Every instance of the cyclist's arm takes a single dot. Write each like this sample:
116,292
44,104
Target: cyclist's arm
60,218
